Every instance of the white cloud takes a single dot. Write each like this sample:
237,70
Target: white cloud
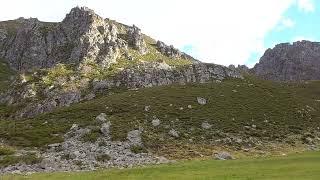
286,23
306,5
220,31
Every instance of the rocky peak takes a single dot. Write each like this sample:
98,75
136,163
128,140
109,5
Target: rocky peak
290,62
91,36
135,39
81,19
81,35
78,12
168,50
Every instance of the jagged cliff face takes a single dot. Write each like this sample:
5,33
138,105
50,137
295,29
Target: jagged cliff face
81,35
290,62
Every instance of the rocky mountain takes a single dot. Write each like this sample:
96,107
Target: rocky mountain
89,93
59,64
299,61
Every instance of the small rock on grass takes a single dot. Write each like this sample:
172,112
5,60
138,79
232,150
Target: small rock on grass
201,100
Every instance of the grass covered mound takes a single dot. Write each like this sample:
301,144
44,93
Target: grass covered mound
297,166
265,110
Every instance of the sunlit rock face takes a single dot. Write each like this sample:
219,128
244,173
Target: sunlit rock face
290,62
81,35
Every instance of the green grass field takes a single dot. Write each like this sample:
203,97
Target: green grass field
298,166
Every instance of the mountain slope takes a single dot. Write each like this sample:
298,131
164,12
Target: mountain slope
269,112
59,64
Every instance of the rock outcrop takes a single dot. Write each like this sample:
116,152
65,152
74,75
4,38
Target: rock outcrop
149,77
74,154
135,39
81,35
146,76
290,62
172,52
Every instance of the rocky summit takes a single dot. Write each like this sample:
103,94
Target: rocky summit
299,61
28,43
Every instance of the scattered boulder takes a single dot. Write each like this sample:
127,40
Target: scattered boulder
105,129
201,101
101,118
223,156
74,127
174,133
134,137
206,125
55,145
155,122
147,108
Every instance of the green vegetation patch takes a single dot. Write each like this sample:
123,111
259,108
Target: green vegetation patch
103,157
5,150
27,159
138,149
297,166
92,136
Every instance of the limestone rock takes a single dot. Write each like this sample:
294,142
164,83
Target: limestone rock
223,156
201,100
290,62
101,117
174,133
135,39
172,52
105,129
206,125
81,35
134,137
155,122
147,108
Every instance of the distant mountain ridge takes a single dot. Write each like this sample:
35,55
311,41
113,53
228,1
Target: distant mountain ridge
298,61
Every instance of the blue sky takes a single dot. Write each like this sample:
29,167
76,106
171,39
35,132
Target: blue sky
299,24
216,31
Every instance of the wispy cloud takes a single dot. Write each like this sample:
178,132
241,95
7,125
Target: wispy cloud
287,23
306,5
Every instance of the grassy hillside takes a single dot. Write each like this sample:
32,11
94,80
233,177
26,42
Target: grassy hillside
298,167
250,108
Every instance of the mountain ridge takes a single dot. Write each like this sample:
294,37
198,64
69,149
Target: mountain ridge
299,61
